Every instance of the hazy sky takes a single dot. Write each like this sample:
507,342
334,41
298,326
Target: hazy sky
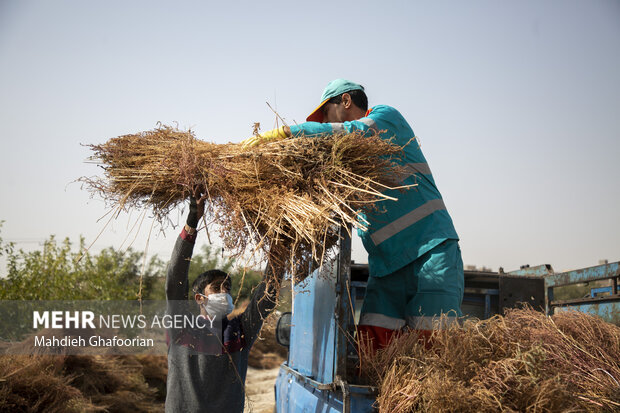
517,105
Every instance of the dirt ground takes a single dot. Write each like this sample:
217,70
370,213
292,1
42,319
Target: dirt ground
259,389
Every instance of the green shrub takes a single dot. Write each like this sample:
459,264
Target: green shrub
58,272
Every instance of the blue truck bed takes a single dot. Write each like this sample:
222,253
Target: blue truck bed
320,373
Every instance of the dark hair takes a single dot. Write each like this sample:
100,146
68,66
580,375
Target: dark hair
358,97
206,278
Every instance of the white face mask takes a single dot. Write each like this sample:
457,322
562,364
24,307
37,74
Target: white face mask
218,304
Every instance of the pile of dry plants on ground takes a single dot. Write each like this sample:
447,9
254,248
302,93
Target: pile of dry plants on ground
286,199
524,361
62,383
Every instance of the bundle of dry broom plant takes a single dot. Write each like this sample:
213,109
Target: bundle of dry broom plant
524,361
286,199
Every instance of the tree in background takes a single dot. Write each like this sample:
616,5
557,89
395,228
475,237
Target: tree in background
60,272
57,272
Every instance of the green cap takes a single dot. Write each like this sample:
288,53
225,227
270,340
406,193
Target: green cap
334,88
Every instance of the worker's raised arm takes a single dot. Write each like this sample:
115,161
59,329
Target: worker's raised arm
178,268
313,129
310,129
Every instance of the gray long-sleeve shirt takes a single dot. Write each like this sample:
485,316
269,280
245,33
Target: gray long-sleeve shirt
209,383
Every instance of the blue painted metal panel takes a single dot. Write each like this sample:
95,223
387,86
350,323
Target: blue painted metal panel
598,272
539,271
609,311
486,298
293,396
313,335
606,307
594,292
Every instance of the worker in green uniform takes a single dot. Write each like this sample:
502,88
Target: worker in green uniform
416,270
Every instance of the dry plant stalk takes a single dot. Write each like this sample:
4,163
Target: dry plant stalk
285,199
523,361
95,383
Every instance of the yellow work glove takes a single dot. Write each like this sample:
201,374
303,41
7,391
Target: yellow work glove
268,136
